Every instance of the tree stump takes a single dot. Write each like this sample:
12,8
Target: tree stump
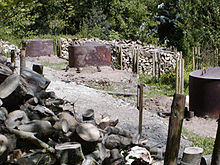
69,153
175,128
192,156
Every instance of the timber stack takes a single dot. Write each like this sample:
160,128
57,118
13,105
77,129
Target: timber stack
127,49
37,127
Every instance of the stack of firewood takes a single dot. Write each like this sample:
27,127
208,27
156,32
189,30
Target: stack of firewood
36,127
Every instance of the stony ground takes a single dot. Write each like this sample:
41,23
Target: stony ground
79,88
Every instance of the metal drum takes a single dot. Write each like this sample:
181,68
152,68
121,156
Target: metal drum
39,47
89,54
204,92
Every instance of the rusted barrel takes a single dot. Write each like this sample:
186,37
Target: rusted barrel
204,92
39,47
89,54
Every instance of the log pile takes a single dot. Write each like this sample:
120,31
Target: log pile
128,49
36,127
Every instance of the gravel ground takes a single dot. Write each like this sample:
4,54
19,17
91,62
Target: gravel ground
68,85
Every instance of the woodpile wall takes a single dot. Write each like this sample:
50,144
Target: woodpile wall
126,50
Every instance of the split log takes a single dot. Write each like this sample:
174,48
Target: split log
69,118
14,91
16,118
175,128
3,148
1,103
69,153
3,114
116,157
38,68
88,136
36,81
43,111
117,141
3,59
88,132
118,131
62,125
30,136
89,161
42,129
34,158
206,160
32,101
5,71
192,156
88,115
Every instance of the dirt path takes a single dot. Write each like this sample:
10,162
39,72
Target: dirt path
73,87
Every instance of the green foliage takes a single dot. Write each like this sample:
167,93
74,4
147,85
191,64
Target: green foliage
206,143
166,84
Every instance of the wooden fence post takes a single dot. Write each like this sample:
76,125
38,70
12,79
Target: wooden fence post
154,65
13,63
158,67
193,58
140,106
22,60
216,151
59,48
180,75
174,131
137,61
120,58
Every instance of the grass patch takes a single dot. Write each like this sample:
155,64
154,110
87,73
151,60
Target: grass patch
55,66
206,143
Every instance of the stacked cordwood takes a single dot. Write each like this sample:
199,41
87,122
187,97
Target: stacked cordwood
127,49
6,47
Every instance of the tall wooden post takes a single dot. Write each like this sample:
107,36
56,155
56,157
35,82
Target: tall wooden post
175,128
22,60
140,106
154,65
216,151
120,58
59,48
137,61
193,57
13,63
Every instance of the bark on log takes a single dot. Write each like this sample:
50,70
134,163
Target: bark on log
69,153
16,118
30,136
42,129
69,118
38,68
118,131
4,72
175,127
14,91
206,160
36,81
192,156
3,59
88,115
216,151
22,61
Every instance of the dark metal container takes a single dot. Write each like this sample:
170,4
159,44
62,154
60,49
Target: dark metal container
89,54
204,92
39,47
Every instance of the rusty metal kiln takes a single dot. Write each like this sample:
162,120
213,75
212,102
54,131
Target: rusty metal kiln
204,92
89,54
39,47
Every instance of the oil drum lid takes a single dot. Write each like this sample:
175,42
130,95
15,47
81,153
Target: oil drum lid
210,73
